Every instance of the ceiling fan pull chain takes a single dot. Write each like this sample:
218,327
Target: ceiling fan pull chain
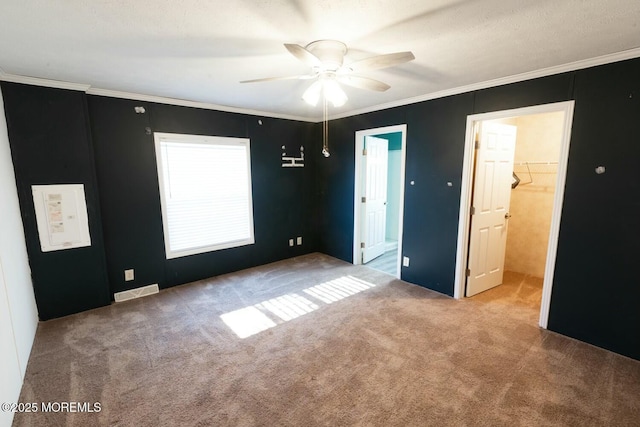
325,127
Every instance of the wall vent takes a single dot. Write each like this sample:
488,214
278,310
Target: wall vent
136,293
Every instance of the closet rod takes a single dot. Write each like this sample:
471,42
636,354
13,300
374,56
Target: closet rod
534,163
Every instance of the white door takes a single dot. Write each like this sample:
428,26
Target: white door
375,197
490,206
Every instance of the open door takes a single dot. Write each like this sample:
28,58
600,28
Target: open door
490,206
467,197
375,197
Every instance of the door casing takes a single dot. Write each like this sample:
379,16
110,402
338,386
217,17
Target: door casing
465,197
357,205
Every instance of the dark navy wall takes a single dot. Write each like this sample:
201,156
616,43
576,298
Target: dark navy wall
434,157
595,291
336,183
50,144
523,94
129,195
284,201
53,134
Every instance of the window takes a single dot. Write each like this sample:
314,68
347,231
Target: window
205,192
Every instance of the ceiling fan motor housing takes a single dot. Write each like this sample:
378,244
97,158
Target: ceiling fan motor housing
330,53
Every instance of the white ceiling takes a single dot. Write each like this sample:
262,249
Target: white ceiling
198,50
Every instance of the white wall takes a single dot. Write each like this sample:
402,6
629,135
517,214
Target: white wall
18,312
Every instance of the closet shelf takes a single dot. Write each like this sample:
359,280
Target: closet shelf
534,163
526,171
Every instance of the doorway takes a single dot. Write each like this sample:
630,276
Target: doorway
379,197
529,224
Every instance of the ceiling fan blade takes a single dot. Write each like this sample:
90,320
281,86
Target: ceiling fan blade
363,83
303,54
381,61
271,79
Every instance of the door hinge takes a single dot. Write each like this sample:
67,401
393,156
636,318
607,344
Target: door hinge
468,272
364,151
473,210
477,144
364,200
362,245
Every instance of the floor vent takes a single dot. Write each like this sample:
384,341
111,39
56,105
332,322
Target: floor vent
136,293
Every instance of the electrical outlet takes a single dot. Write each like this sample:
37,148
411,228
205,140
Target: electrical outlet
405,261
128,275
290,242
299,241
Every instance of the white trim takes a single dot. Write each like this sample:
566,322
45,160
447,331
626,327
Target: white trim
159,138
543,72
357,211
194,104
89,90
465,197
35,81
554,231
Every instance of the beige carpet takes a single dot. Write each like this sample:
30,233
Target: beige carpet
519,297
358,348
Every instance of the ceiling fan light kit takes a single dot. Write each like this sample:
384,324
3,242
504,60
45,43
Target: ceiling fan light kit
326,60
330,90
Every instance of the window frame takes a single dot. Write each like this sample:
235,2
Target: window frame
159,138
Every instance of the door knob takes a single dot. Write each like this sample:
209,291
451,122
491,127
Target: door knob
507,215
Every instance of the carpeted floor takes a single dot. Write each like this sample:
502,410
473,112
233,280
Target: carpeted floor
519,297
325,343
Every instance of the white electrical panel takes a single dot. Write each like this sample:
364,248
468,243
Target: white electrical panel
61,215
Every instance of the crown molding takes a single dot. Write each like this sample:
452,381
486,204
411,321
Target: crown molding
543,72
571,66
35,81
194,104
89,90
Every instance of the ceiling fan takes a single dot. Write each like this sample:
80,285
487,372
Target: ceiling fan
326,59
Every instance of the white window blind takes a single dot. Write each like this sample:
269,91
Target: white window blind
205,191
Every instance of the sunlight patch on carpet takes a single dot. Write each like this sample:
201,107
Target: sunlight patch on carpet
247,321
338,289
254,319
288,307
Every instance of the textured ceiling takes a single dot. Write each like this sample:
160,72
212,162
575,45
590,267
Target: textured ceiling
198,50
